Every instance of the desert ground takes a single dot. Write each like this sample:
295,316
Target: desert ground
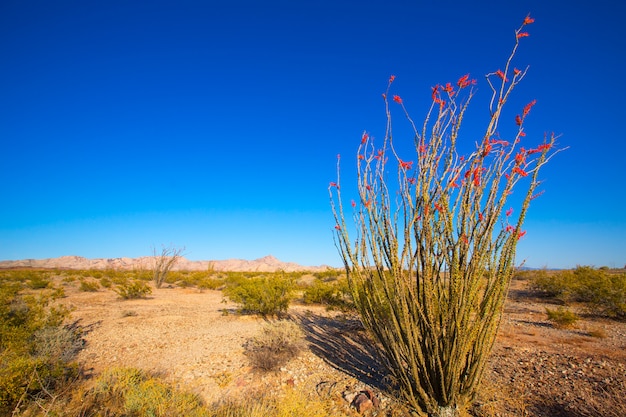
195,340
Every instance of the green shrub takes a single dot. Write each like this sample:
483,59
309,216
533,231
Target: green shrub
267,295
133,289
106,282
562,317
36,348
334,294
38,280
604,292
89,286
278,343
121,392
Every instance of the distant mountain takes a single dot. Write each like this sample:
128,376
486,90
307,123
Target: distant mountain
266,264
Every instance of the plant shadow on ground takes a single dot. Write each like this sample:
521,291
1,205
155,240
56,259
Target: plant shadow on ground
343,343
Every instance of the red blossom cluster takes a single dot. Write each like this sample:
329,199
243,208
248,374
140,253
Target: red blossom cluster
405,165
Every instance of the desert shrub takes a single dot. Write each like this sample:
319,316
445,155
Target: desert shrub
36,348
598,333
106,282
604,292
277,344
290,403
561,317
89,286
127,392
164,262
335,294
265,295
133,289
429,238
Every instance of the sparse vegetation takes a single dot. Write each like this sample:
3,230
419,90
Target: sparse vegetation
89,286
562,317
603,291
277,344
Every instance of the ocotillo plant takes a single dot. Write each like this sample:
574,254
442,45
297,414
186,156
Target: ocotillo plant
434,248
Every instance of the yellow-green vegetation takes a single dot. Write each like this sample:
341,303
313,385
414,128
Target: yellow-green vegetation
267,295
128,392
562,317
603,291
88,286
36,346
277,343
133,289
332,292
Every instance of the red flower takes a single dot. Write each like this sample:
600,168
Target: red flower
393,77
520,171
500,74
352,203
334,184
509,212
360,157
516,71
364,138
438,207
487,148
464,239
397,99
435,93
411,181
406,165
476,176
521,235
518,120
528,106
337,227
528,20
544,147
522,35
464,81
509,228
480,217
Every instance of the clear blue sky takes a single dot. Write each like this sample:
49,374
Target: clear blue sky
215,125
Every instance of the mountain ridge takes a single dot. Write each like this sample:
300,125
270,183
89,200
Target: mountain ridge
268,263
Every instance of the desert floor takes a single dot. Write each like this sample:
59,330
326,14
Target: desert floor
195,340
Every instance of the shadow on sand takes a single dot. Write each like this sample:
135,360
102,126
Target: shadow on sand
343,343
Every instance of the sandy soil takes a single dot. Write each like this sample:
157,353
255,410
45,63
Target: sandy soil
184,335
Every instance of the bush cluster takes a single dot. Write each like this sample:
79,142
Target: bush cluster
36,346
601,290
133,289
334,293
264,295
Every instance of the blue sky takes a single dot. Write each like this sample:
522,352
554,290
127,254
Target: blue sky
215,125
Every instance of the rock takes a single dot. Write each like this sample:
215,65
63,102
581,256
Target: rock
365,400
